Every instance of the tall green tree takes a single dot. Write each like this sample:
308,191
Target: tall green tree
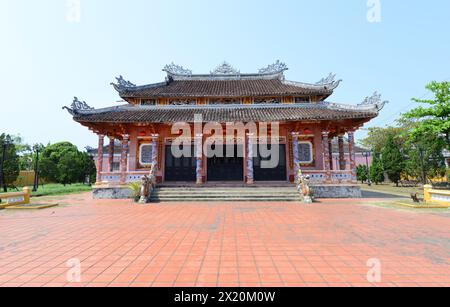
425,153
376,170
362,173
11,163
435,116
64,163
25,153
89,168
377,137
393,160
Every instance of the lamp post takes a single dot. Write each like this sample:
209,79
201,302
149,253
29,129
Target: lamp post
367,154
36,148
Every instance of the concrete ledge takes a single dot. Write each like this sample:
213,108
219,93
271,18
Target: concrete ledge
31,207
441,197
423,206
111,192
320,191
337,191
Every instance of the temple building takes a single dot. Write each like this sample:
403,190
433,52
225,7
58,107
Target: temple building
297,116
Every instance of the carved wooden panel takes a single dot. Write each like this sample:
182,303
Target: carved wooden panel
182,102
272,100
218,101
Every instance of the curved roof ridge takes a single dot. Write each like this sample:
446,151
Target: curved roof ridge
226,72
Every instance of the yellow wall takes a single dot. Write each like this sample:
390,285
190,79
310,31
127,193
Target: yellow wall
26,178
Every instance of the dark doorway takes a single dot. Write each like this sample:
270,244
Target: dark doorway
227,167
180,169
279,173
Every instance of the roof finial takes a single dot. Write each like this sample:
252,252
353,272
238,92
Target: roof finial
225,69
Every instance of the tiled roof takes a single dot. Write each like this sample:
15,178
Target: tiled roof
234,113
225,88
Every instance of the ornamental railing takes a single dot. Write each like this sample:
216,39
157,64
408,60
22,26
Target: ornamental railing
115,177
316,177
147,179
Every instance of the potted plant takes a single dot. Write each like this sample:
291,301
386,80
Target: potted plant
135,187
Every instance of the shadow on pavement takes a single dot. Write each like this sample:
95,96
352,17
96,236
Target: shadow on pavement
373,194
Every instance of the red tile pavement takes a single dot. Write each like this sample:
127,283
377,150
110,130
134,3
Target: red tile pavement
231,244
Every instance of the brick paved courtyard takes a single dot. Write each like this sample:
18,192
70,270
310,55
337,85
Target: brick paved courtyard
267,244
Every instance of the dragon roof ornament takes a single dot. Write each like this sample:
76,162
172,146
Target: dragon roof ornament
328,80
371,104
225,69
374,100
78,106
179,70
276,68
122,83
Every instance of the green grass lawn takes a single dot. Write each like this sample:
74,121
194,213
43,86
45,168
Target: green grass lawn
58,189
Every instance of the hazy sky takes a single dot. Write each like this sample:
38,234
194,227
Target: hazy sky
47,58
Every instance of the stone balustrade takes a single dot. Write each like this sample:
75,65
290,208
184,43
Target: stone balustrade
16,198
115,177
337,177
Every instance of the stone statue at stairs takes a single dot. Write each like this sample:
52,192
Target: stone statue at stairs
145,190
148,183
303,186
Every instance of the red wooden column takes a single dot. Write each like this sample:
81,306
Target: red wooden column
352,155
111,154
250,154
155,155
199,158
124,159
295,154
101,143
342,162
155,152
326,155
330,149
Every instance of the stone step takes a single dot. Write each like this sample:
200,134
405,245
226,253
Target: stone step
226,188
222,194
204,190
183,199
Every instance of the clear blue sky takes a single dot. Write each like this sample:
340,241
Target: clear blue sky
46,60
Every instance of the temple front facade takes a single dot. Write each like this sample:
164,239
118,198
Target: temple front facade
227,127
